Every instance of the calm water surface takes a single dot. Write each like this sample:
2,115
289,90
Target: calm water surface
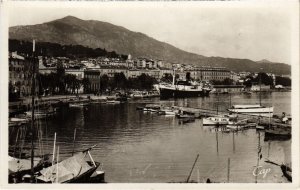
142,147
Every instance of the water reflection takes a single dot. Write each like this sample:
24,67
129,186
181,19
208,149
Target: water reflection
144,147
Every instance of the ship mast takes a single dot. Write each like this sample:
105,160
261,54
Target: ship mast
32,112
260,87
173,82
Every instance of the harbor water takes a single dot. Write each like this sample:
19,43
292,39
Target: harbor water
139,147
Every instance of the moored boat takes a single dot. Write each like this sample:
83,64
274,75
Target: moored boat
74,169
168,111
217,120
18,167
113,102
252,110
152,108
183,89
78,105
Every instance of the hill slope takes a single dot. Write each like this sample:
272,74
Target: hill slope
97,34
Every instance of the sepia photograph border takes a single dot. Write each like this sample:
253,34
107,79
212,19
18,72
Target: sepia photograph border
5,6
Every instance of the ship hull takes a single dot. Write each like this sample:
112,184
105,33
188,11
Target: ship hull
174,93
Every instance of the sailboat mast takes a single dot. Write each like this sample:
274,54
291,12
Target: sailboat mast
260,88
32,108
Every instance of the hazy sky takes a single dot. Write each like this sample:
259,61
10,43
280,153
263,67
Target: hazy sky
238,30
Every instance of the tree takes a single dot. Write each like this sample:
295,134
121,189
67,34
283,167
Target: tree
86,83
227,81
188,76
264,79
119,80
104,82
248,82
284,81
146,81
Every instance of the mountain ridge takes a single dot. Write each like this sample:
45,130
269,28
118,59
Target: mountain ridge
98,34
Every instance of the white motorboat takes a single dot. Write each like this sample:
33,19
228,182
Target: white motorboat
252,110
217,120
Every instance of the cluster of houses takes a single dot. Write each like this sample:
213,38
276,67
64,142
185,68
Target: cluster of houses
131,68
94,68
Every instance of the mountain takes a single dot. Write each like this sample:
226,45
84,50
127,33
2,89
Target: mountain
264,61
96,34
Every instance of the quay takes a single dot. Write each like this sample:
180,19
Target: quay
261,120
56,101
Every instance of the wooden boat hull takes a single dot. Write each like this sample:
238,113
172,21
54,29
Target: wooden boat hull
83,178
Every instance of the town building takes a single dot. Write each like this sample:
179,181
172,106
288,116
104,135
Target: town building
93,77
111,70
20,74
164,71
213,73
79,73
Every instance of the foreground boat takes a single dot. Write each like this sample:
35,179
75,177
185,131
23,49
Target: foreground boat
17,168
71,170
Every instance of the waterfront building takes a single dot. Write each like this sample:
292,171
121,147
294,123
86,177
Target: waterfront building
111,70
133,73
79,73
46,70
94,80
155,73
20,74
213,73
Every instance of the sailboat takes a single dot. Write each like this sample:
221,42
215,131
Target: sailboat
74,169
256,109
18,167
71,170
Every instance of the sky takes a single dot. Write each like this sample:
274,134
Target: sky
247,30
